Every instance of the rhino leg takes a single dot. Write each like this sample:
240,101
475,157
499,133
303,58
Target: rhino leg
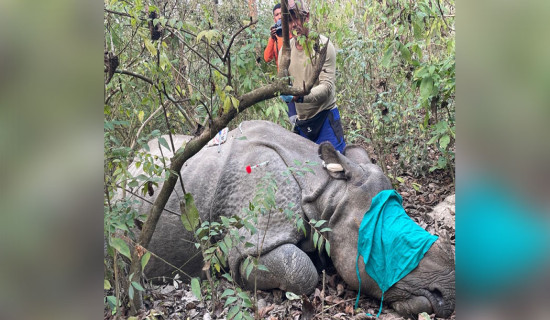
290,269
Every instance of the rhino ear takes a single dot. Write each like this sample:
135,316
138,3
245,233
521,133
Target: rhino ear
333,159
357,154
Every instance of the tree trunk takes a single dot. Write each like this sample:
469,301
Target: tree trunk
253,9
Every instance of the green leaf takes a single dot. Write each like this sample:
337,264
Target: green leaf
248,245
141,114
200,35
228,242
444,141
327,248
150,47
249,270
386,60
196,288
211,34
417,27
226,104
291,296
223,247
230,301
164,61
405,53
163,143
227,292
300,225
121,247
133,184
190,213
106,284
131,292
112,301
228,277
262,267
442,162
426,87
137,286
315,238
319,223
243,295
325,230
433,140
145,259
232,312
235,102
247,303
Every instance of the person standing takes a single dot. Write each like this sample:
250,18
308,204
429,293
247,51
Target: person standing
318,118
271,52
275,42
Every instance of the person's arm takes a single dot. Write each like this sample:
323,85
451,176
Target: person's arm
327,79
269,50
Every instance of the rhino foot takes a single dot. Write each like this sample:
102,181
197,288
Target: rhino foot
290,269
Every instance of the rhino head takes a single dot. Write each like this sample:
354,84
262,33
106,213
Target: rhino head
430,287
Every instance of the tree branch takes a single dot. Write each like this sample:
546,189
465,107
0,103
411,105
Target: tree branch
197,53
284,60
226,54
135,75
197,143
149,202
119,13
443,16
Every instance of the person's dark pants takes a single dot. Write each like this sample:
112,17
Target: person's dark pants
291,109
331,131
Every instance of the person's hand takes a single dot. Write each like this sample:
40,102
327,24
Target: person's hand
292,120
287,99
273,33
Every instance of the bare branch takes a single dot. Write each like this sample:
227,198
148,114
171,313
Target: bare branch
149,202
143,125
235,35
197,53
135,75
119,13
111,95
443,15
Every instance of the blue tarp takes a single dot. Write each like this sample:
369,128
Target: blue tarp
391,243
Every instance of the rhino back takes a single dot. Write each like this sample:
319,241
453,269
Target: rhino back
221,186
217,178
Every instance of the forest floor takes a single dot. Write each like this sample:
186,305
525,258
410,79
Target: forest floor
331,299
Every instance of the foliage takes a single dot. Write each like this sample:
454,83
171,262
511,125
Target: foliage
395,77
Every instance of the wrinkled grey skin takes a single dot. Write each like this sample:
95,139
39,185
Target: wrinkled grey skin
217,178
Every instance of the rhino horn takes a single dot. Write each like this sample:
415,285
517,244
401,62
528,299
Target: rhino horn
334,167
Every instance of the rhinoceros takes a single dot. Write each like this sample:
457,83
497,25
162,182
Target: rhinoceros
221,186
